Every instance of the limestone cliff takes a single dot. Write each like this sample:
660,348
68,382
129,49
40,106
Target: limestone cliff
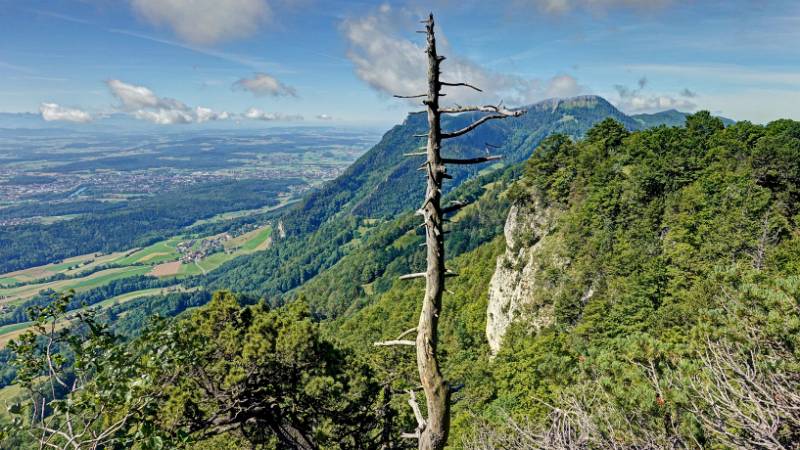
518,281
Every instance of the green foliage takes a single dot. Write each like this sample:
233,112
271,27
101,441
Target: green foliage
682,236
382,185
268,376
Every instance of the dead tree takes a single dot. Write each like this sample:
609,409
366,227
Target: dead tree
432,430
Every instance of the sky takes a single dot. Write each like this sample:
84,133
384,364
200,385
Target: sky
175,62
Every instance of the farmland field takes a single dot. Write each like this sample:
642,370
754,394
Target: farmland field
160,259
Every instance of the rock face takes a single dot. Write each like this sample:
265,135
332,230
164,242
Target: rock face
513,289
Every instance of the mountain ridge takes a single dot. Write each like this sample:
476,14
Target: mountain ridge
383,185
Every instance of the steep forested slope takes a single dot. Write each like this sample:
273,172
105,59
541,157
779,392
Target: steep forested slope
665,280
383,184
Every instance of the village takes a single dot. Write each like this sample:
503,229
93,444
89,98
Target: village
194,250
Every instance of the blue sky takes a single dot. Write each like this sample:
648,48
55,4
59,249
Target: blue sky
336,62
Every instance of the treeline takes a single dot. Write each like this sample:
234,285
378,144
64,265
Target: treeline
139,223
52,208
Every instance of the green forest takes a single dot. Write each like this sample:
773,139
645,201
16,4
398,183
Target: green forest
664,313
108,227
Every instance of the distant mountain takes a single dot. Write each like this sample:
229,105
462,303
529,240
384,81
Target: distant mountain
670,118
383,184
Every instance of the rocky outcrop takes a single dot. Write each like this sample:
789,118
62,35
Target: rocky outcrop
515,286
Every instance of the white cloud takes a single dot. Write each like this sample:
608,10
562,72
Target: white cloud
205,114
164,116
392,64
258,114
562,86
324,117
132,96
564,6
636,101
206,21
54,112
264,84
142,103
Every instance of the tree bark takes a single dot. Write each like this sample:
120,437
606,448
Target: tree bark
432,433
437,392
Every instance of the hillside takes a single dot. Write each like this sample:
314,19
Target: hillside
640,277
382,184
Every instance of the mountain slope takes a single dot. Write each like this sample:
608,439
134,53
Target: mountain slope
644,277
383,184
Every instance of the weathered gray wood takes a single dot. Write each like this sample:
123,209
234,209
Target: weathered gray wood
432,432
444,83
395,342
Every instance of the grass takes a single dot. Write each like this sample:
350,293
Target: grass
127,297
154,254
217,259
256,241
108,276
190,269
247,243
79,284
60,267
8,280
7,395
13,327
9,332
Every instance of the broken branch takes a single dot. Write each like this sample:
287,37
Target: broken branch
478,160
394,342
443,83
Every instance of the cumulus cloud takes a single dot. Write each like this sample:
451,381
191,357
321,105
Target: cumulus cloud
637,101
206,21
202,114
324,117
262,84
392,64
258,114
142,103
55,112
133,97
564,6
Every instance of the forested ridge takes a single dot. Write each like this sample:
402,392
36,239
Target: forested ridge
383,185
686,237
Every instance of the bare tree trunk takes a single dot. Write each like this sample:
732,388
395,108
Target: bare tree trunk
437,393
432,432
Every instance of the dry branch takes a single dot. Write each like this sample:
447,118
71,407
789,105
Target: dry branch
444,83
478,160
395,342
